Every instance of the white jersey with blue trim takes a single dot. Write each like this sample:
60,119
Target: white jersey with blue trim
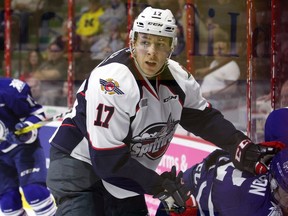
128,121
16,105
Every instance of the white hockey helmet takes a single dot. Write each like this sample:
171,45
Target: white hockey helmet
156,22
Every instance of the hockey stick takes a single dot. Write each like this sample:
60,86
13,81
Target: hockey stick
42,123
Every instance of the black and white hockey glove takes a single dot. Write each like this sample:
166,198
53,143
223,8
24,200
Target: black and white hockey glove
255,158
175,193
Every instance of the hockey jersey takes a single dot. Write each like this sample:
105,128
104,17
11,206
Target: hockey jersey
122,123
220,189
16,104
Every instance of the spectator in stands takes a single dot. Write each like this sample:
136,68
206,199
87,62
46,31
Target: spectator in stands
31,64
114,14
28,13
42,97
107,43
27,5
222,72
55,67
88,25
62,39
82,61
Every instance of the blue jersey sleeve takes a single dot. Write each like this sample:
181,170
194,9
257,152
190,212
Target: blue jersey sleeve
221,189
18,103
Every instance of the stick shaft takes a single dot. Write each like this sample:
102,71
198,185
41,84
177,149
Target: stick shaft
40,124
29,128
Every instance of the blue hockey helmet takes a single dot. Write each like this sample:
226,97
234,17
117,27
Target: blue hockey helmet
279,169
276,128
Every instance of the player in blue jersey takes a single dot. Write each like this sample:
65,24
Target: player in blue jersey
22,159
220,189
123,120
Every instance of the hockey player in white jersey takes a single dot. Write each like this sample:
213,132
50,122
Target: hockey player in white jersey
123,120
22,159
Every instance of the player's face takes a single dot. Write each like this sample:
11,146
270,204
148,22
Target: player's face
151,52
282,197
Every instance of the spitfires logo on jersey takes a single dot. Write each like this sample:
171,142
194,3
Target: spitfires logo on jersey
154,140
18,84
110,86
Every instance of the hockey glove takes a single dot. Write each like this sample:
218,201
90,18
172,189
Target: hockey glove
175,192
255,158
25,138
171,175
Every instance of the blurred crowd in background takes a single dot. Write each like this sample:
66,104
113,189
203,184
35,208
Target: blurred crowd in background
40,38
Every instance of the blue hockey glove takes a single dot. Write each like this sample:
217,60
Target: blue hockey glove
25,138
13,138
255,158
